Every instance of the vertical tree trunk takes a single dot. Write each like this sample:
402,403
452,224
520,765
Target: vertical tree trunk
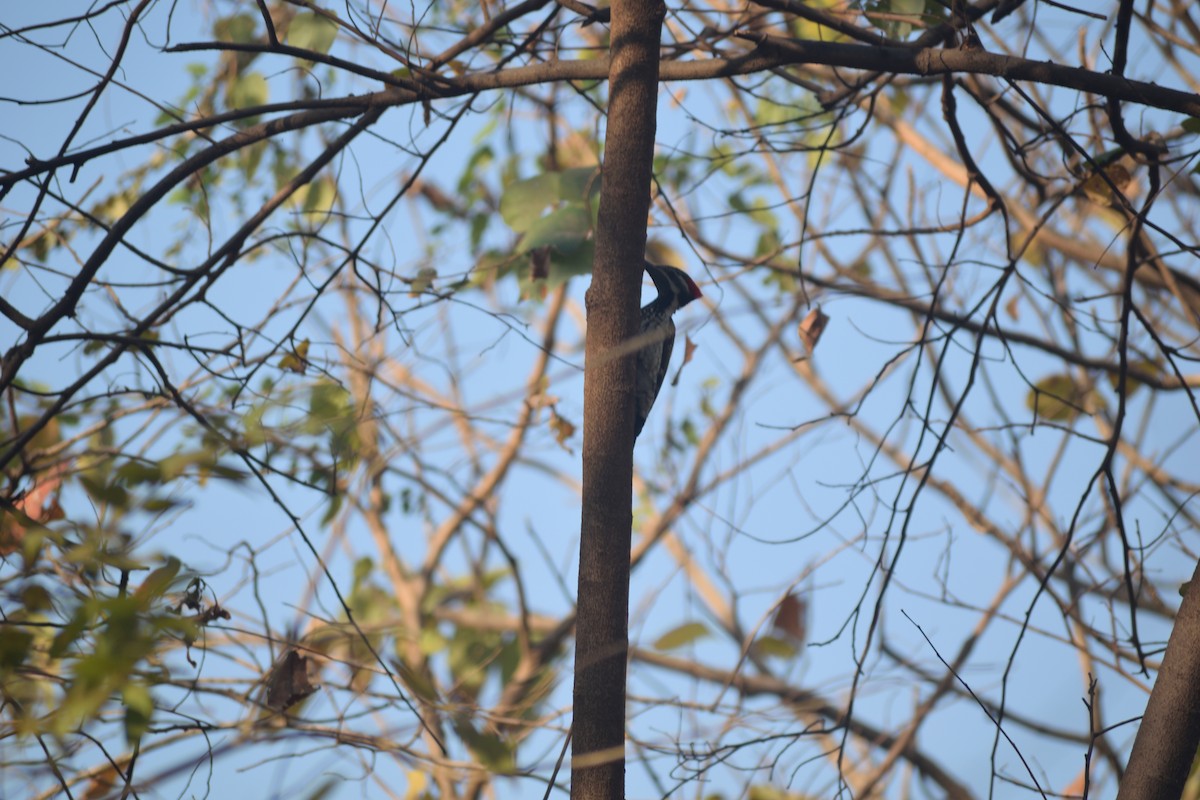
1170,729
602,628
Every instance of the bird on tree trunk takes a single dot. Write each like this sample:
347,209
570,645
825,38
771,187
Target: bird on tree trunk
675,290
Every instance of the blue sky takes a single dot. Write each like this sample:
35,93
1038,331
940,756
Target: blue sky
758,534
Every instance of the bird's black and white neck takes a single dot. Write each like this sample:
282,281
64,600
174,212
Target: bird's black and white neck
675,290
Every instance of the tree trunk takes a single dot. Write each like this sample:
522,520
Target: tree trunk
602,633
1170,730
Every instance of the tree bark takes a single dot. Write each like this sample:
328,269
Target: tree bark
602,638
1170,730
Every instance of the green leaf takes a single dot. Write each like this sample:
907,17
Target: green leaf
761,792
156,505
1191,125
431,641
323,789
204,461
469,650
296,360
238,28
1132,384
328,403
804,29
159,581
133,473
768,245
48,436
508,660
479,223
247,90
139,707
173,466
1057,398
774,646
765,792
493,751
523,202
690,433
319,198
67,635
768,112
111,493
15,644
476,165
422,281
363,568
311,31
418,684
36,598
580,185
494,576
249,159
685,634
566,230
892,27
563,265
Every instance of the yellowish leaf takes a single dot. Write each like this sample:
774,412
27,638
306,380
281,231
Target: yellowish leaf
1100,191
1057,398
681,636
297,360
563,429
417,784
422,282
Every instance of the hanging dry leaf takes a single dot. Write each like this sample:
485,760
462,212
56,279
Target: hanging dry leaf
563,429
105,781
812,327
1012,307
791,618
543,400
689,350
539,264
288,683
38,505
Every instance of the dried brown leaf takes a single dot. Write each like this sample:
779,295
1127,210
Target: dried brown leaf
791,618
288,682
812,327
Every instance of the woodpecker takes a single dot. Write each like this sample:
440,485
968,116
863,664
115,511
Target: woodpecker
675,290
